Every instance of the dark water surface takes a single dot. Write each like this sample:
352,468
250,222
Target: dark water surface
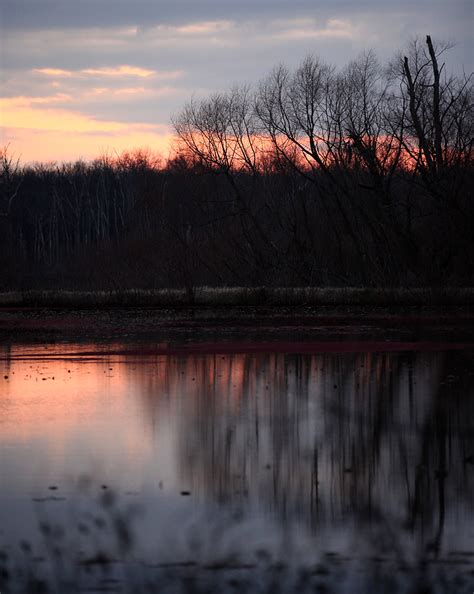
237,466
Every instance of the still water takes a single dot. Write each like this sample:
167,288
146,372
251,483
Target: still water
241,459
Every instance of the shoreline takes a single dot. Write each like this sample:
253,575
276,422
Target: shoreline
146,352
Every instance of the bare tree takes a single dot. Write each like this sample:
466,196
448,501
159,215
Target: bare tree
10,180
440,127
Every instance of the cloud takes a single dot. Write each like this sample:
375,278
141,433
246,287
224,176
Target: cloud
308,29
117,71
202,28
42,14
248,35
26,114
127,93
56,72
23,101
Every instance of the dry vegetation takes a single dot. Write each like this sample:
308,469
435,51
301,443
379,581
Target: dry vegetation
230,296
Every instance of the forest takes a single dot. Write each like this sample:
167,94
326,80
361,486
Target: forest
359,176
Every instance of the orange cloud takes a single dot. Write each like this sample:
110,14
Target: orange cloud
118,71
53,72
61,120
23,101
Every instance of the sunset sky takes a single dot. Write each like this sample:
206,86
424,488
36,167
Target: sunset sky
84,77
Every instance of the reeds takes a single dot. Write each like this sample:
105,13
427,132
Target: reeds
241,296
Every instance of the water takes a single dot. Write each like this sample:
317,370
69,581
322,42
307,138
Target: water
357,465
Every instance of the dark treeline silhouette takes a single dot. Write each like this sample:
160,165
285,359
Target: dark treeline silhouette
353,177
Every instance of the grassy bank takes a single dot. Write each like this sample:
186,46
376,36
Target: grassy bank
240,296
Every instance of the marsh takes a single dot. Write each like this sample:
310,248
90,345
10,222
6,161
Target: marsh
164,461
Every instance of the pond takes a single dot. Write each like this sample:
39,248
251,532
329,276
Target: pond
234,466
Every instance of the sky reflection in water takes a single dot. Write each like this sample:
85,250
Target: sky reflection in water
333,447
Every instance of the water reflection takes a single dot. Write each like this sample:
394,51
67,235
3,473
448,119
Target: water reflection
329,438
333,441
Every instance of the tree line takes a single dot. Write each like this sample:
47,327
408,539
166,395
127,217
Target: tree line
359,176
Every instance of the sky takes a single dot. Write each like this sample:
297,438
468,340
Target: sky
81,78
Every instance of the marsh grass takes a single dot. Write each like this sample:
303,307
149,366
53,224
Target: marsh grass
241,296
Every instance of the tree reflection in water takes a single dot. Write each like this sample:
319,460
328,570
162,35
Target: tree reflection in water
354,440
